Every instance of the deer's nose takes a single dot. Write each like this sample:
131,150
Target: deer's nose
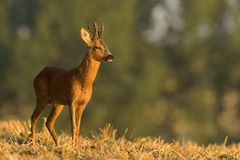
109,57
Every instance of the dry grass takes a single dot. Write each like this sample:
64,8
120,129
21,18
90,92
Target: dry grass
15,144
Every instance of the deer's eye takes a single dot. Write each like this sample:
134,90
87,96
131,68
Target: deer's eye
96,47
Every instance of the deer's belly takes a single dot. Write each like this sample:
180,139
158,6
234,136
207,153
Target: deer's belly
79,97
59,100
60,96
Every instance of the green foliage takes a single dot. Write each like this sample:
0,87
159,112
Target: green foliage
183,84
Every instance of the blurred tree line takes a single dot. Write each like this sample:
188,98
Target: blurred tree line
176,72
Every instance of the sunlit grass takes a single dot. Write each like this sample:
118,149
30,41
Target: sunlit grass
16,144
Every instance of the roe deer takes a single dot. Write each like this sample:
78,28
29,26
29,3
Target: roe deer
59,86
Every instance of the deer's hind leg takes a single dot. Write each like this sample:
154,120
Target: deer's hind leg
39,108
56,110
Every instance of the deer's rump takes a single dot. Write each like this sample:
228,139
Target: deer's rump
43,79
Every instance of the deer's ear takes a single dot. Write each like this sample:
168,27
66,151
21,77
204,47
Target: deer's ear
85,36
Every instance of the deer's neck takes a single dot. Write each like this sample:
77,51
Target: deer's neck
87,70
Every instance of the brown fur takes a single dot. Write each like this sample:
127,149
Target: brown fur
59,87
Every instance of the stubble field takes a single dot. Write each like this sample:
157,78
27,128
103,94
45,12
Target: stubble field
16,144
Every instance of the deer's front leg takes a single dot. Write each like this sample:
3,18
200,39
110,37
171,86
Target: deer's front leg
79,112
72,109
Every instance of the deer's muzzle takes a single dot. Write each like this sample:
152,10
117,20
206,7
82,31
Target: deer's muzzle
109,58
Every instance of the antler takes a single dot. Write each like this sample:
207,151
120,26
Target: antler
101,30
95,30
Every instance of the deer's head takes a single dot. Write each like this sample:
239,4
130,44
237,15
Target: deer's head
95,43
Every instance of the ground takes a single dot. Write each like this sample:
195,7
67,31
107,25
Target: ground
16,144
